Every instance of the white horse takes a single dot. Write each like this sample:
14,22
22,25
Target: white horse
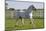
30,11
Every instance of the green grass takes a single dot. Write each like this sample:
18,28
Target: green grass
39,23
10,24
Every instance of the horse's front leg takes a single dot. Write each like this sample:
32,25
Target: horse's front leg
33,23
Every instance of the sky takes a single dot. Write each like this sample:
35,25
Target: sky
24,5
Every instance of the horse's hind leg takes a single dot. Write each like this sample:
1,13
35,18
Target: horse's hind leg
23,21
17,21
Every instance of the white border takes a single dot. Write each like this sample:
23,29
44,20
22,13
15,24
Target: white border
2,15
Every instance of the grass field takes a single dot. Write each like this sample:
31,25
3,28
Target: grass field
11,24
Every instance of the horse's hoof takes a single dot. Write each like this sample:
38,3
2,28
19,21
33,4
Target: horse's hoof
30,22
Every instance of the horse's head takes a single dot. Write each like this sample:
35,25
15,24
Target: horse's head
29,10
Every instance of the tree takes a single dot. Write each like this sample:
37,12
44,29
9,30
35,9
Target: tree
11,9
